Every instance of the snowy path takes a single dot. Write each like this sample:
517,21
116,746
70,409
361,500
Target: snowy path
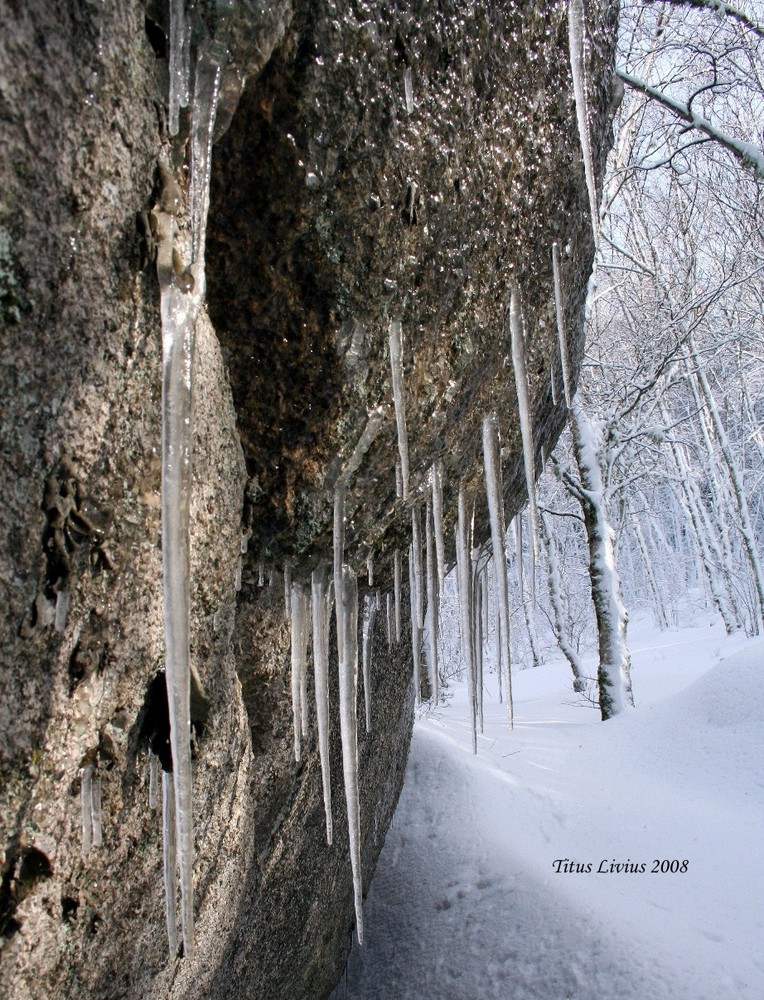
466,902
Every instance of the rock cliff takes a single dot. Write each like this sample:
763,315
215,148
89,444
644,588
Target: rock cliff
375,162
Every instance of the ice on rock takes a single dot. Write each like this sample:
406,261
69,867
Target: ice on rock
399,401
389,603
95,810
347,597
577,46
86,797
517,334
169,861
495,495
179,52
287,589
300,613
62,610
408,91
321,609
155,769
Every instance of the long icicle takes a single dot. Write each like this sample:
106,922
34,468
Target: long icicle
320,608
433,603
463,572
517,334
495,495
562,335
300,612
168,860
348,674
339,557
397,590
416,632
416,544
399,400
436,482
368,639
576,42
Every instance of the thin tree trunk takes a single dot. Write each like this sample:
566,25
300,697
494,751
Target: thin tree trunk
614,670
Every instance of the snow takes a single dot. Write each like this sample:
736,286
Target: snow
472,899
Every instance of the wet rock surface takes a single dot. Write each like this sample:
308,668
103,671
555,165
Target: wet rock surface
382,162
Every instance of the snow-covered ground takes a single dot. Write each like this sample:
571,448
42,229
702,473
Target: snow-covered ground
472,899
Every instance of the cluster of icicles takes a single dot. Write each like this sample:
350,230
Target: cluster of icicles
309,607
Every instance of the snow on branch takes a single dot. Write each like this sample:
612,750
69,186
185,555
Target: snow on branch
726,10
748,154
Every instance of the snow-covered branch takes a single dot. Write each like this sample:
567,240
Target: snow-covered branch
748,154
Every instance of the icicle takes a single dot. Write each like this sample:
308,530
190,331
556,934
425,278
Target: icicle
300,612
477,634
261,574
498,642
416,544
154,771
180,38
397,589
180,304
320,605
370,569
436,481
389,619
368,638
347,597
287,589
339,556
169,858
416,632
517,531
495,495
517,332
86,797
463,573
399,399
398,482
95,810
562,335
62,610
433,603
237,578
244,543
576,40
206,91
